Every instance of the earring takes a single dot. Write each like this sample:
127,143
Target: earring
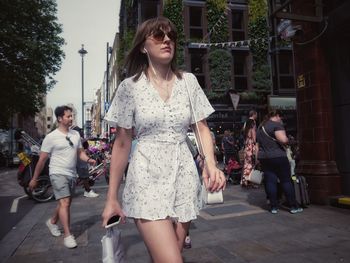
145,50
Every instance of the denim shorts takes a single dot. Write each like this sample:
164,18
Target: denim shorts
62,185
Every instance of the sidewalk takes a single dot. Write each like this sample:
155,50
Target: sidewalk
240,230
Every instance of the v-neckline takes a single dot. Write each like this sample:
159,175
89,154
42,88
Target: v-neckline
156,93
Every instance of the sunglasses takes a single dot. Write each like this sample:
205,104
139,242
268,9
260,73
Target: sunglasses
159,35
69,141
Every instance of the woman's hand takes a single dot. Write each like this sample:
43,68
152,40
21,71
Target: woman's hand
214,179
112,208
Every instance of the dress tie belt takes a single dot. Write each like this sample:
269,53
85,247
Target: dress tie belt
177,144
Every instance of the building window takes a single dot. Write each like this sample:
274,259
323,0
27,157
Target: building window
286,70
48,118
196,22
149,9
49,126
198,62
238,25
240,70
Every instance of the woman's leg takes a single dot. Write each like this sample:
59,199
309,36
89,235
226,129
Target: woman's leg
181,230
161,240
270,180
286,182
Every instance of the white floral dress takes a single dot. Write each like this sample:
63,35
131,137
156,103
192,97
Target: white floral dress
162,180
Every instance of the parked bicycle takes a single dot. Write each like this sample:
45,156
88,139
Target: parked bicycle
43,192
95,173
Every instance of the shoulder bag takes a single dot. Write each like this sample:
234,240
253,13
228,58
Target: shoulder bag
256,176
208,198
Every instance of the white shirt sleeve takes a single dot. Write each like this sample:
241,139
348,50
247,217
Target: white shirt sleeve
201,105
121,111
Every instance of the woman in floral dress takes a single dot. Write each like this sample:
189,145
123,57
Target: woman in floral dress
162,188
250,150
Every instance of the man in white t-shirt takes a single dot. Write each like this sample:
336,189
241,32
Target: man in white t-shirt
63,146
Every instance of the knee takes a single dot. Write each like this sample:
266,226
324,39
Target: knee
65,202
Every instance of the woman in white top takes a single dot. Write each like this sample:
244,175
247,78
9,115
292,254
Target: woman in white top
162,185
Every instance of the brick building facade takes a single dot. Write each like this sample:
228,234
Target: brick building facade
322,64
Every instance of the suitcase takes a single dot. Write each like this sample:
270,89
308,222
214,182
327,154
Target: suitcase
301,190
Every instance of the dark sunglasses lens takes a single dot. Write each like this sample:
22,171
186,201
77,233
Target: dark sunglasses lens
172,35
158,35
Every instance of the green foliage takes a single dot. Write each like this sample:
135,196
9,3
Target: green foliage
173,9
257,9
215,9
125,44
30,55
219,59
261,78
258,29
220,69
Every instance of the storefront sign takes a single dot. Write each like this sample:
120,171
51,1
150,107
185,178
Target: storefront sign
282,103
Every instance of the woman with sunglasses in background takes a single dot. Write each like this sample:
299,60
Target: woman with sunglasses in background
162,189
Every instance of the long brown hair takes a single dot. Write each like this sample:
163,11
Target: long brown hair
136,61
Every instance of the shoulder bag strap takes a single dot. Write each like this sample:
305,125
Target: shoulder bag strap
282,145
196,132
262,127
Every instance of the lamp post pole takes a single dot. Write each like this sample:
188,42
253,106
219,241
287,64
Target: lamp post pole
82,53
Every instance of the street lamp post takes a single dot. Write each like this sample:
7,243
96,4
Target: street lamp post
82,53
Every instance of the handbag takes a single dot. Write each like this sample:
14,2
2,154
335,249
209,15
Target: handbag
256,176
112,247
209,198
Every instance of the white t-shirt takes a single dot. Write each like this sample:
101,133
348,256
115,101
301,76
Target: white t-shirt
63,156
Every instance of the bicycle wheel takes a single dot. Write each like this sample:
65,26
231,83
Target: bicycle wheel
43,192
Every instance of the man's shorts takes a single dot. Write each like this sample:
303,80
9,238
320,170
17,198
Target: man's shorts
62,185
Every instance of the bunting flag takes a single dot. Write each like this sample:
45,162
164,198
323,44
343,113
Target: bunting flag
242,43
218,22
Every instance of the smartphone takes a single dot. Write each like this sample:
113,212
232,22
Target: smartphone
114,220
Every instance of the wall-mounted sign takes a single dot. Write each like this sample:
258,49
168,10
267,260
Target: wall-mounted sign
301,81
235,100
282,103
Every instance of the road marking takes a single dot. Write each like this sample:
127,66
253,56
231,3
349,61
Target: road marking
14,205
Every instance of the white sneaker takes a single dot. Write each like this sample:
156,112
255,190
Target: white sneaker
91,194
53,228
70,242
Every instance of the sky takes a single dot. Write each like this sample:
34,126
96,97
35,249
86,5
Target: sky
92,23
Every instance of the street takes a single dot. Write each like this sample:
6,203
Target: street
240,230
14,203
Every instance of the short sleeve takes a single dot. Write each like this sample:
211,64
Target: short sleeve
200,103
46,145
122,109
278,127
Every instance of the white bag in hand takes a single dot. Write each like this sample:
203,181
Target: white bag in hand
212,198
112,247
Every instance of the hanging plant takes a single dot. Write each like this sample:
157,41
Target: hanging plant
217,20
125,44
219,59
173,9
258,29
220,69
